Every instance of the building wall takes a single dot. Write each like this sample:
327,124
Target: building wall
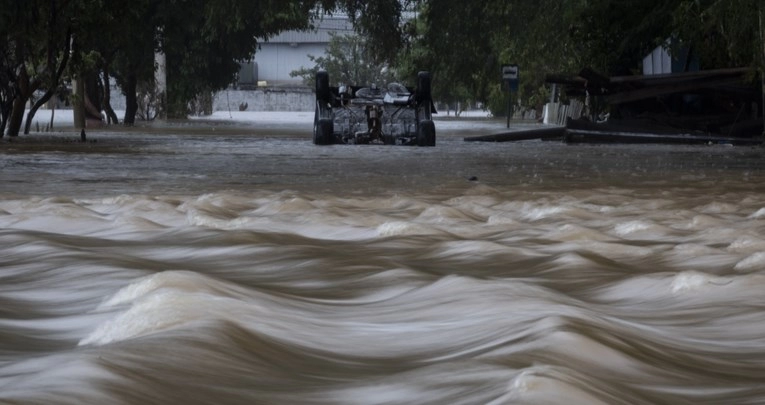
289,50
276,60
662,61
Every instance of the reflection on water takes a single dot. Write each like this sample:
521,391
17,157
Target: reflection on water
239,270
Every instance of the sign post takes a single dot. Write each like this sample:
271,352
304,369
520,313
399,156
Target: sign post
510,82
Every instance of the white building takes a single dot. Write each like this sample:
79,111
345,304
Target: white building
288,51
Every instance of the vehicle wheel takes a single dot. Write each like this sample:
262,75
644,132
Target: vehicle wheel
322,86
426,133
323,132
423,86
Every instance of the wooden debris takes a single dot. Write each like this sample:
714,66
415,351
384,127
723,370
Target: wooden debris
581,131
544,133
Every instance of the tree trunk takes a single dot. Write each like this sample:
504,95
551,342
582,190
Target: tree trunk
131,102
52,114
25,89
56,73
78,105
110,114
17,115
48,94
5,113
93,98
160,77
7,94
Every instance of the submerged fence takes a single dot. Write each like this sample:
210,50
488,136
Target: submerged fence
557,113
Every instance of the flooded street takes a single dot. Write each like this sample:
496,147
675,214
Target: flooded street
234,262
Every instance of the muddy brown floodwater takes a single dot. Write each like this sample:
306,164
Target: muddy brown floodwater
235,262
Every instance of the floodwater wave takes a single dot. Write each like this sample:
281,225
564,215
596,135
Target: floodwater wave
578,275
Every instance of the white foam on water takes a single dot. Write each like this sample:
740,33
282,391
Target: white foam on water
163,301
502,219
747,244
759,214
538,213
532,386
753,263
694,281
187,281
402,228
155,312
633,227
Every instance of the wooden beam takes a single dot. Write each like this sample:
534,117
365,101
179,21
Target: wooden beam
522,135
656,91
702,74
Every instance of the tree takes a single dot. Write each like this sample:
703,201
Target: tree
349,59
116,41
613,38
37,37
722,33
550,36
468,48
7,67
203,42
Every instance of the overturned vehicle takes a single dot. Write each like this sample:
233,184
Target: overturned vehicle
394,115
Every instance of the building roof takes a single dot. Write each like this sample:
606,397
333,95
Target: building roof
337,23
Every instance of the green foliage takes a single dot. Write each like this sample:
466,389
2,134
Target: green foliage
722,33
465,50
465,43
202,40
349,60
378,20
36,36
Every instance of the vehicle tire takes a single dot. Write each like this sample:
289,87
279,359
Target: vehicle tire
423,87
426,133
322,86
323,132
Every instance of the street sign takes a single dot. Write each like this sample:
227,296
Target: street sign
510,82
510,77
509,72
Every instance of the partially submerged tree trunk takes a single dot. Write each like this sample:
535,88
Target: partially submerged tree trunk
160,78
93,98
7,95
24,89
110,114
17,115
32,111
5,112
55,79
131,102
78,104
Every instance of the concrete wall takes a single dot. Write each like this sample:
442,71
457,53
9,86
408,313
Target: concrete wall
290,98
266,99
